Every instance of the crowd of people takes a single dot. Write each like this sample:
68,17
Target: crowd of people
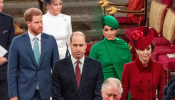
48,61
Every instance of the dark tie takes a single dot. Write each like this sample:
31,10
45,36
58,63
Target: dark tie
77,73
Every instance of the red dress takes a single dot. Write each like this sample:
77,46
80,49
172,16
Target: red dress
143,82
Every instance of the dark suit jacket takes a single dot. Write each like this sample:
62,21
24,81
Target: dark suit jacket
6,35
64,81
23,71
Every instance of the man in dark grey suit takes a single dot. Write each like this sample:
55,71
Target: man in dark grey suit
31,57
77,77
6,35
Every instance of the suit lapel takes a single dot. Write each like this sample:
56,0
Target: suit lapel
43,48
29,47
72,74
84,74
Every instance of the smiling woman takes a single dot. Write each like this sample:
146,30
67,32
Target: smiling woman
109,32
112,52
58,25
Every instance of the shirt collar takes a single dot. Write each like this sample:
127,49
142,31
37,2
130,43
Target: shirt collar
74,60
49,14
142,67
31,36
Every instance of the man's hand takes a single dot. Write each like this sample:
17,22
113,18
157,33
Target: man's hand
2,60
14,98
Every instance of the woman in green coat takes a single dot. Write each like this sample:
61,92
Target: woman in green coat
112,52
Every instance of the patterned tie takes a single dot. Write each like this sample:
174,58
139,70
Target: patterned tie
36,50
77,73
36,54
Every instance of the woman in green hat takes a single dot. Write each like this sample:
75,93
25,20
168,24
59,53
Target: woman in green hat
112,52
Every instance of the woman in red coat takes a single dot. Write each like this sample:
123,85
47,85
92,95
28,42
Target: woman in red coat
143,77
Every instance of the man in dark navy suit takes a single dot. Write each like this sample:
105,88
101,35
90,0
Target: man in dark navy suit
31,57
6,35
77,77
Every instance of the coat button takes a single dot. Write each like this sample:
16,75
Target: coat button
141,81
140,90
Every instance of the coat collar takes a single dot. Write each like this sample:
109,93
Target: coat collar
44,48
71,74
29,47
84,74
141,67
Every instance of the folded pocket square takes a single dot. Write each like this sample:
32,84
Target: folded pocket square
5,31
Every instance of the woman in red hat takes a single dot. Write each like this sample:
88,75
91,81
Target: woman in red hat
143,76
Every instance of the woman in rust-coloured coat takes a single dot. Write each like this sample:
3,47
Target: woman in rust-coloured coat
143,76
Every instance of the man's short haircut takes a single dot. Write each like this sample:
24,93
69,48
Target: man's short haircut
113,82
29,13
76,33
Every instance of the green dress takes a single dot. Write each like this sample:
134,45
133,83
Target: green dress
112,54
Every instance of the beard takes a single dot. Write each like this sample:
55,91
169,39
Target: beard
37,31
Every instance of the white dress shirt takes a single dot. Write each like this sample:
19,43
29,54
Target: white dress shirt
32,40
80,64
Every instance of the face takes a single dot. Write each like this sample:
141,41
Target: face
111,93
78,46
1,5
144,54
36,25
109,32
55,7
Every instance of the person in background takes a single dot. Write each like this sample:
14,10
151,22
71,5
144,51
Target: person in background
6,35
77,77
31,57
111,89
169,90
58,25
143,76
112,52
